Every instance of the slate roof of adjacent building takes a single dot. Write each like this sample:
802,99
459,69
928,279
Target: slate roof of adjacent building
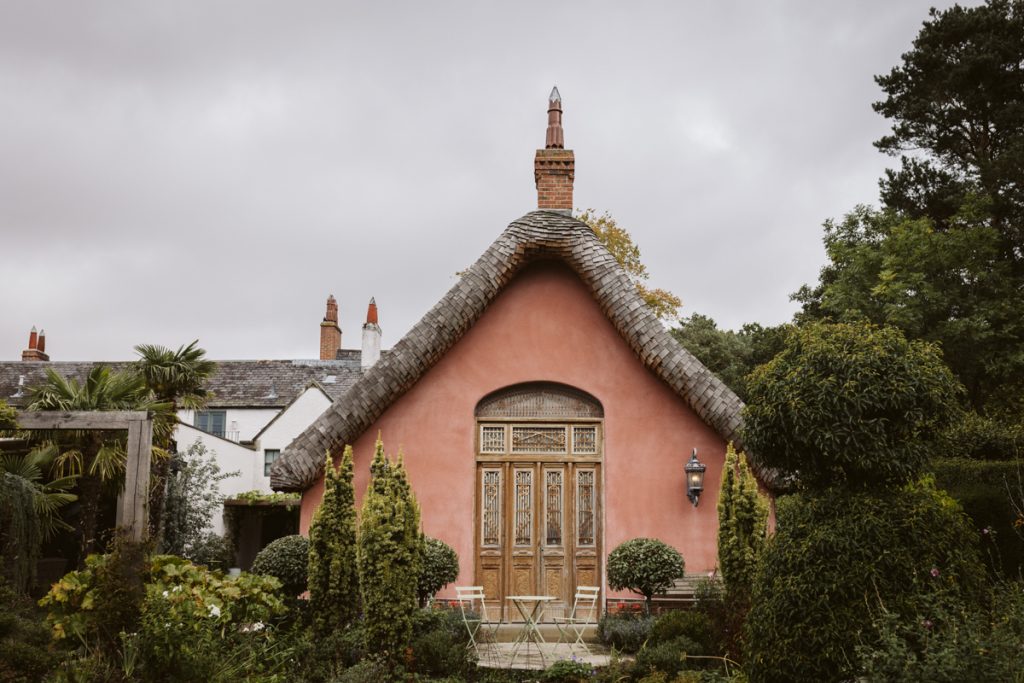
539,235
235,384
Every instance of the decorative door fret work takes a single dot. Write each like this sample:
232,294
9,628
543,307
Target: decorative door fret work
585,507
553,507
538,439
491,517
524,507
492,439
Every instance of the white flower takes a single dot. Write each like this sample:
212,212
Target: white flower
165,594
175,590
214,611
258,626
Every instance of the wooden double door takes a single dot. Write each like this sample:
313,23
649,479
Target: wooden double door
539,530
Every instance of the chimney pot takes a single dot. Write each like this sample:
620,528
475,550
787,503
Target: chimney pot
554,168
371,337
330,333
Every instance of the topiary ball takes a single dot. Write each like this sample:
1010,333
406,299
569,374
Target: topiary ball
440,567
286,559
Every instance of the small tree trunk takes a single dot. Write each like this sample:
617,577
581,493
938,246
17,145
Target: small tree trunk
89,491
157,496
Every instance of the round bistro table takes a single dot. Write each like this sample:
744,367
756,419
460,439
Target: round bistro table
531,607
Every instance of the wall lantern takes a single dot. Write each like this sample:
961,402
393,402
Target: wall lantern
694,478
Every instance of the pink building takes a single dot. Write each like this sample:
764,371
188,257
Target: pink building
544,413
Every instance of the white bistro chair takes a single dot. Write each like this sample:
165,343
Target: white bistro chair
583,615
481,628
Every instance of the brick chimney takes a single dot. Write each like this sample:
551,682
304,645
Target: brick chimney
36,346
554,168
371,337
330,333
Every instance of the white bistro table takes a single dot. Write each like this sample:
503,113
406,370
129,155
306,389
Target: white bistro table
531,607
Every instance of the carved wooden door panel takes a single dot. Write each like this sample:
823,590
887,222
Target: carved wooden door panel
586,527
523,569
555,561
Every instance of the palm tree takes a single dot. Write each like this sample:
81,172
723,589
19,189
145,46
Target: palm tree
176,378
96,456
48,496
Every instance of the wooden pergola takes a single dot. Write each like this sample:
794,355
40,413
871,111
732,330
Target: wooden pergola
133,502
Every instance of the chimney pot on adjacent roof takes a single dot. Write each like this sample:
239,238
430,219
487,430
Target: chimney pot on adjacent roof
36,346
371,337
554,168
330,333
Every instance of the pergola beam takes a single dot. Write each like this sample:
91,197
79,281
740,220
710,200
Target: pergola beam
133,501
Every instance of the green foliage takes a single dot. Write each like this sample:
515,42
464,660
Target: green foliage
191,501
440,567
390,555
742,523
646,566
620,244
730,355
948,641
439,644
953,287
849,403
692,624
179,622
983,489
669,657
21,531
568,671
24,655
838,552
7,415
333,575
983,438
287,560
262,497
213,552
49,494
625,632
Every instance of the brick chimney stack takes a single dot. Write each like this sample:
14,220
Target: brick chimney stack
554,168
330,333
371,337
36,346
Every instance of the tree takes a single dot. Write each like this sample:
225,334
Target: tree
389,555
97,456
730,355
646,566
176,378
620,244
440,567
49,495
849,403
742,518
952,287
957,103
193,498
333,575
287,560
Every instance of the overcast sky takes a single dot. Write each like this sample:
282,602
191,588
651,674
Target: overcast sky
213,170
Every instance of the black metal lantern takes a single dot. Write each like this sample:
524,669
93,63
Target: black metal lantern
694,478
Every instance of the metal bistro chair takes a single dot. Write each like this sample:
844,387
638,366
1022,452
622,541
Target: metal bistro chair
478,624
583,615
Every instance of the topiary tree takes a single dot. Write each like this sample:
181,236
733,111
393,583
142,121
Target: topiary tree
842,557
333,576
646,566
440,567
849,403
286,559
742,517
389,558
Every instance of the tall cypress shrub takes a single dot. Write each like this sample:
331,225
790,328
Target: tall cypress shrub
742,514
333,577
389,556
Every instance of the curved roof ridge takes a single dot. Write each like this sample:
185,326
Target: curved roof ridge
537,235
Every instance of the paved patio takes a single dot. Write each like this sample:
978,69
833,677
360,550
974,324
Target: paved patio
500,655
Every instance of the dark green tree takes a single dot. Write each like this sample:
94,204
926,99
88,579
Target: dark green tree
389,556
440,567
849,403
333,575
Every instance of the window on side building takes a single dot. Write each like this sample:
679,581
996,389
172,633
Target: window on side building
269,456
211,421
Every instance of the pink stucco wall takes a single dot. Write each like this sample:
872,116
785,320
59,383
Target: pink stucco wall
546,327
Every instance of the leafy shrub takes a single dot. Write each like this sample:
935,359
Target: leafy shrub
192,500
946,640
568,671
440,567
369,670
981,488
625,632
834,555
983,438
24,655
690,623
668,657
849,403
213,551
287,560
646,566
439,644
